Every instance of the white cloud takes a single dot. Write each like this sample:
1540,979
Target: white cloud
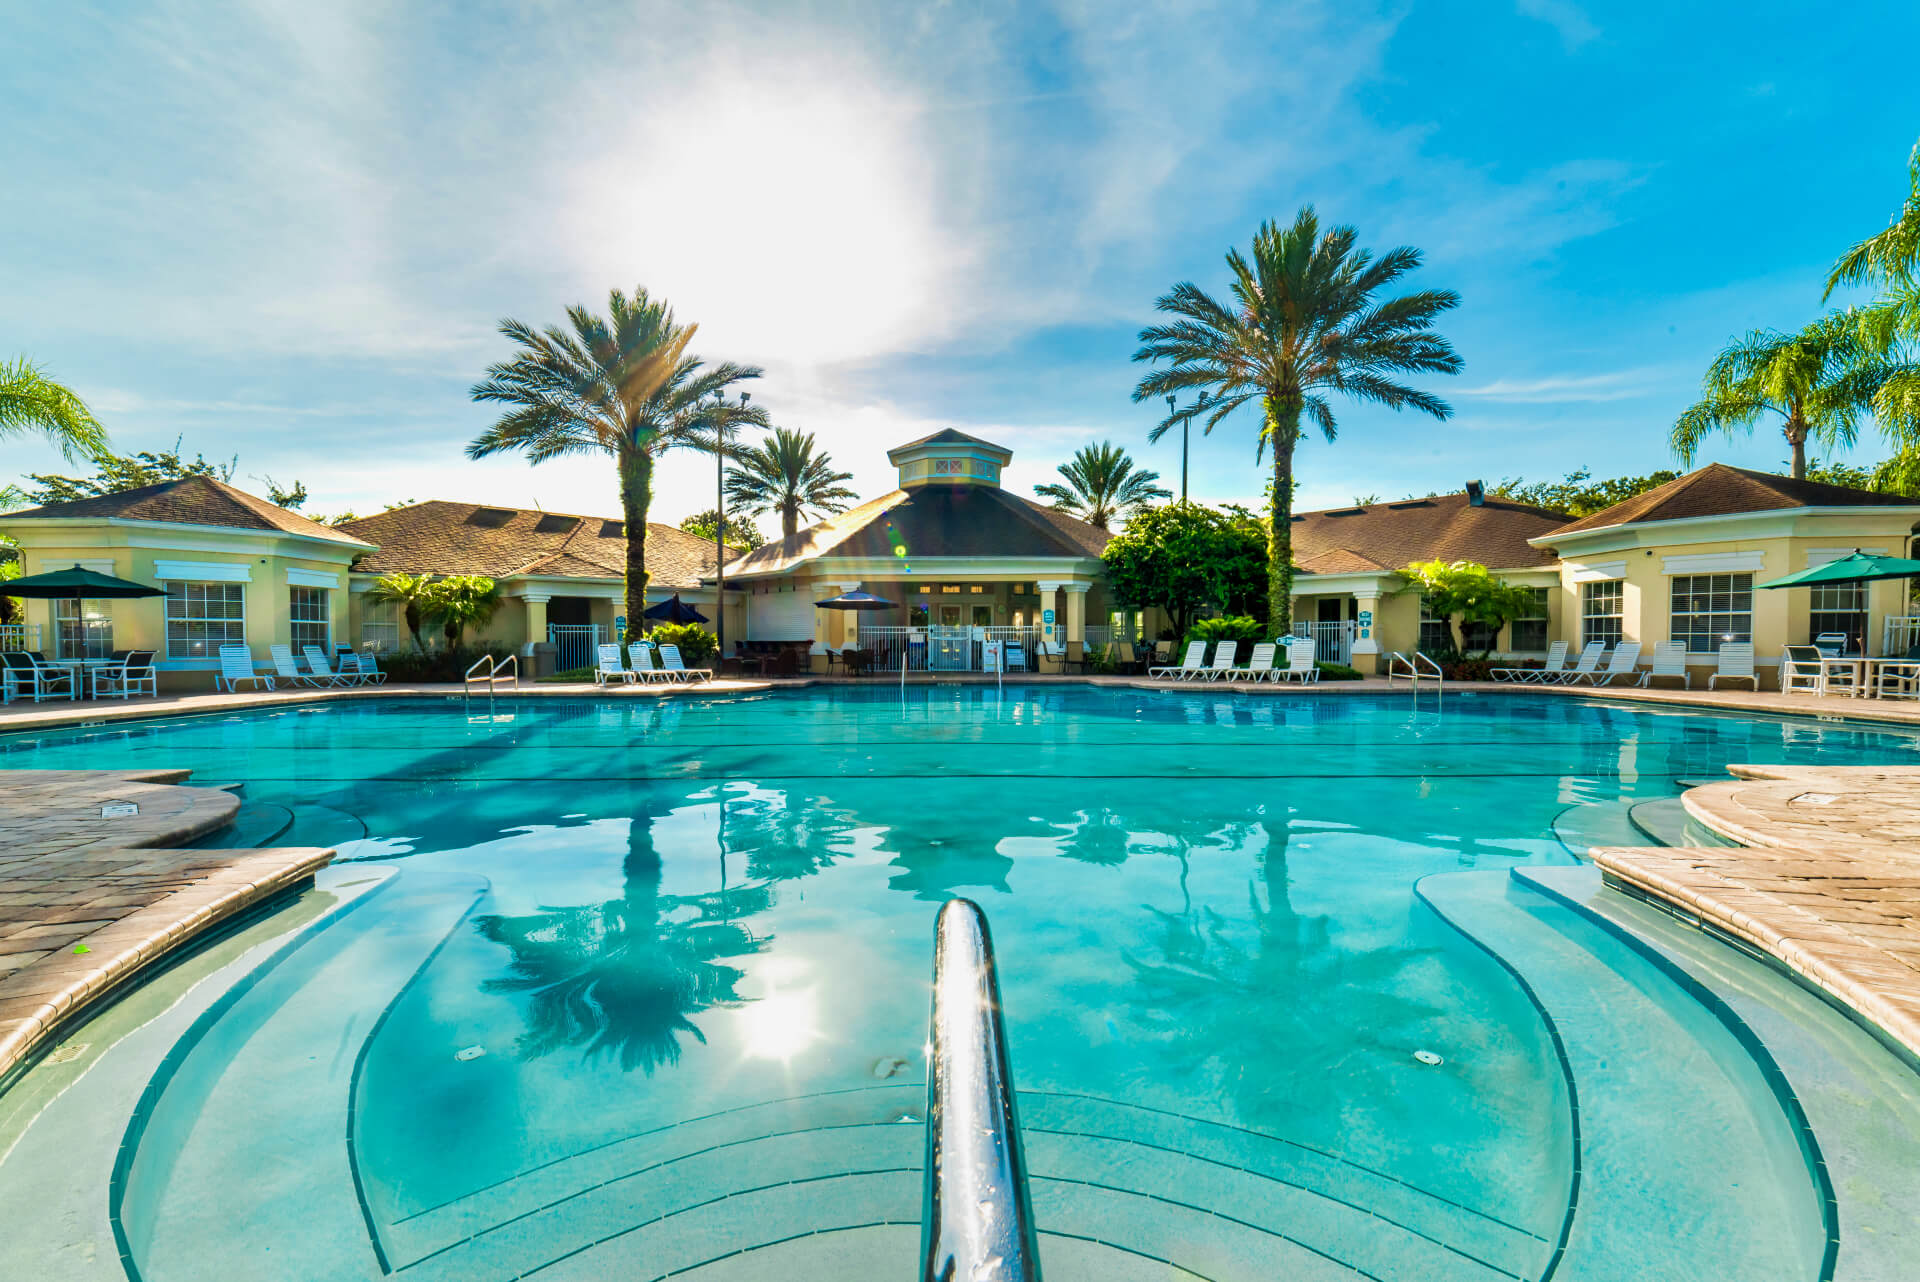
1563,16
1621,385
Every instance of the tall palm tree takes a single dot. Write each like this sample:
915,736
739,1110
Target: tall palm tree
622,386
32,402
1305,323
1102,484
1890,325
783,474
1818,381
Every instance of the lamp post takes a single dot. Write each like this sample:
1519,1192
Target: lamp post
1185,427
720,521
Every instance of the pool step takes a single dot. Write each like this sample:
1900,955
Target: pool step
247,1119
1135,1189
1583,826
256,823
1697,1151
1665,821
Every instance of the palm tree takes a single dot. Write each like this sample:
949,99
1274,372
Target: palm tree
1305,324
32,402
462,601
1818,381
1890,325
784,475
1101,484
413,593
623,386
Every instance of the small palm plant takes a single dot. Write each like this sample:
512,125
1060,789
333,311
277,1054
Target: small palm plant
413,593
462,601
1818,381
1306,322
620,386
1102,484
783,474
32,402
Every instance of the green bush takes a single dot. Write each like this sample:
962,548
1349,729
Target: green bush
1336,672
1232,627
697,645
571,674
436,665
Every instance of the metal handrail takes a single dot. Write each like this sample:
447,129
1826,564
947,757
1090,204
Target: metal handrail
1399,665
510,665
977,1222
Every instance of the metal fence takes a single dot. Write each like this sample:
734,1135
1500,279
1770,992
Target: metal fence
576,645
1332,641
1901,633
944,649
19,636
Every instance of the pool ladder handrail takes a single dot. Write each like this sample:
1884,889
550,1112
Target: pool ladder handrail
494,666
976,1224
1399,665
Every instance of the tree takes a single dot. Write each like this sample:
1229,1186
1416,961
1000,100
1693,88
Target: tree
290,497
783,474
1819,381
115,473
413,593
1185,558
1305,324
462,601
622,386
1464,592
1890,325
1102,484
741,531
1579,494
32,402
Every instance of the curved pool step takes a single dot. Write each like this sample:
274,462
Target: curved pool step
1587,824
317,825
1687,1147
255,824
1665,822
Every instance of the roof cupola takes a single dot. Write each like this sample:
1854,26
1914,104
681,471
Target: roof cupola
949,458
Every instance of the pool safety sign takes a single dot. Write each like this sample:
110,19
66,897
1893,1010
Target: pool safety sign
1046,619
1365,621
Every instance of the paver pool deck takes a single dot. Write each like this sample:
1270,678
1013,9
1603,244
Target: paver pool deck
90,899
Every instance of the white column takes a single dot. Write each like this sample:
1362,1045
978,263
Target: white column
1076,610
1052,626
536,603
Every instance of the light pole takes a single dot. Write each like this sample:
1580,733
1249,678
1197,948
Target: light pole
1185,427
720,521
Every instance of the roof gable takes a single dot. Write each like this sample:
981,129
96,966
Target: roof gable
1719,490
439,537
1377,537
191,500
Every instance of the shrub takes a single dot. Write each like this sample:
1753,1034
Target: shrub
697,645
1336,672
1232,627
436,665
1468,670
571,674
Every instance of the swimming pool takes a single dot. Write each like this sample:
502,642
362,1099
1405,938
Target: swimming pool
639,988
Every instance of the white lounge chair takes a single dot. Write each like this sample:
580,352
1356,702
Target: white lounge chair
1259,667
1590,657
1735,663
287,668
1556,664
670,659
369,667
1669,660
640,654
1224,653
1621,663
1195,661
610,667
1300,662
236,665
318,665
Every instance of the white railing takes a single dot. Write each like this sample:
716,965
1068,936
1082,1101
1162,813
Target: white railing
941,649
491,676
1414,668
1900,634
1332,641
19,636
575,645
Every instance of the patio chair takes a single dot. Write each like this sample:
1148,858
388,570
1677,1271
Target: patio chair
1016,657
1621,663
370,669
317,664
1300,661
1125,658
1195,661
610,667
287,668
1259,667
1801,671
1831,644
1669,660
1734,663
670,659
1224,654
1590,657
29,670
640,654
236,665
123,680
1556,663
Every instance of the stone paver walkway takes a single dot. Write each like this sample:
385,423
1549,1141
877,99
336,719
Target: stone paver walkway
87,900
1828,881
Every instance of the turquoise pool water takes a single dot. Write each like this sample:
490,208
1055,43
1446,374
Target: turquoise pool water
636,988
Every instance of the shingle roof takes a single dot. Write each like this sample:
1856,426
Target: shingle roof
191,500
1387,536
1719,490
933,521
501,542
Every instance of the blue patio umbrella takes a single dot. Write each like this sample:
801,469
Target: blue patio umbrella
674,610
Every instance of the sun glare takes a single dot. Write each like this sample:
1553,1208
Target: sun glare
779,1026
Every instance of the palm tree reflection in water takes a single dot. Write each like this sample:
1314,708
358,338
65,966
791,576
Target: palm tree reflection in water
625,977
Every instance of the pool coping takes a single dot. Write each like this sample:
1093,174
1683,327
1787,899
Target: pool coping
113,897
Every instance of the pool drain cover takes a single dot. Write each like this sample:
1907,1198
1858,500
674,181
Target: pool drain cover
1428,1057
471,1052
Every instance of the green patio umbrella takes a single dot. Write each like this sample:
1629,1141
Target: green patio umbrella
1856,567
76,585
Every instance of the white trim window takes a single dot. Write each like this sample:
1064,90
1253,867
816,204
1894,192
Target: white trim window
1603,605
1711,608
87,634
202,617
1839,607
1436,635
1529,633
380,627
309,617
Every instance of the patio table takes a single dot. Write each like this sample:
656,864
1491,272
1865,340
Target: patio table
1853,665
82,670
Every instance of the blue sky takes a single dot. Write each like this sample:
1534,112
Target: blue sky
285,230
